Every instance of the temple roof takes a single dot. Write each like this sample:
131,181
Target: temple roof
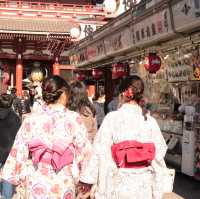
31,25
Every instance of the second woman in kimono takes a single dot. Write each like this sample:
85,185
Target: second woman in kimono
127,145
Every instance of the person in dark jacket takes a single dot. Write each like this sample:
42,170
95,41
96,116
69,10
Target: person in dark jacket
9,125
16,104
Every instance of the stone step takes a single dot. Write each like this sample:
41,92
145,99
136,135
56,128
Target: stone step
172,196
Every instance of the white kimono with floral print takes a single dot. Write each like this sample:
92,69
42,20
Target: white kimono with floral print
127,123
49,125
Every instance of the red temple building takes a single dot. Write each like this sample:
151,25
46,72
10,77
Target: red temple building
39,33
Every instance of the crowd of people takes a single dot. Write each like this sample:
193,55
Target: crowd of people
61,149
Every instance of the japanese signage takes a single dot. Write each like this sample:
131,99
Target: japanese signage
154,28
119,41
186,14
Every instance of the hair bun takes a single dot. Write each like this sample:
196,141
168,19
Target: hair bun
52,89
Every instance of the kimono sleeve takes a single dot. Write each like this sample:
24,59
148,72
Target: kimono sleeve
82,144
101,149
18,155
158,139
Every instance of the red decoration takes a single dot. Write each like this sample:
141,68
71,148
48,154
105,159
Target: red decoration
118,70
152,63
6,78
97,74
80,76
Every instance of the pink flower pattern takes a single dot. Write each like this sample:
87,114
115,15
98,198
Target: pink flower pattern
49,126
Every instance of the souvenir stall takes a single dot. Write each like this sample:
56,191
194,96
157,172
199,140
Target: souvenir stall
173,93
160,44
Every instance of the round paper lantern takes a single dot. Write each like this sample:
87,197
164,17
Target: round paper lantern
97,74
80,76
118,70
110,6
152,63
36,75
75,32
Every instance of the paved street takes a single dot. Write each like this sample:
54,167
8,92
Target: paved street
187,187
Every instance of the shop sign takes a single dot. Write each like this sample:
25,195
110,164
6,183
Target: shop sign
152,28
186,15
91,52
119,41
96,50
177,73
195,65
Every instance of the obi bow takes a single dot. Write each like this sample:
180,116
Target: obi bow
58,157
133,154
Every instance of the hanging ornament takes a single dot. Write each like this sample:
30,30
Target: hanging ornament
75,32
97,74
80,76
152,63
37,75
6,78
110,6
118,70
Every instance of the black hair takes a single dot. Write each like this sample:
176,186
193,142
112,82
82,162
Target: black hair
79,100
13,90
137,86
6,100
53,87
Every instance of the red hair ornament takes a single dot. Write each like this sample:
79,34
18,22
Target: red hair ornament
128,93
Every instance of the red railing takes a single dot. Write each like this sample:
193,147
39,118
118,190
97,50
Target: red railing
30,5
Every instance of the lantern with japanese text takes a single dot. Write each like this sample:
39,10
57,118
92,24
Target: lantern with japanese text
152,63
118,70
97,74
80,76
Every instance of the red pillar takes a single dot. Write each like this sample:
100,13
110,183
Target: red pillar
19,76
56,68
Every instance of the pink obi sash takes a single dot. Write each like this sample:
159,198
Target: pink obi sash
58,157
133,154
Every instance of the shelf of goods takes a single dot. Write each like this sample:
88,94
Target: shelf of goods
197,152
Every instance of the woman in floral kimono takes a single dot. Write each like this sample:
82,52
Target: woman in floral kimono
47,146
128,145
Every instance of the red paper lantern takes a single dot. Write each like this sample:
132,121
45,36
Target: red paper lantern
80,76
97,74
118,70
6,78
152,63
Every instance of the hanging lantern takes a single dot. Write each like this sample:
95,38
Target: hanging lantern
152,63
80,76
110,6
6,78
75,32
118,71
97,74
37,75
